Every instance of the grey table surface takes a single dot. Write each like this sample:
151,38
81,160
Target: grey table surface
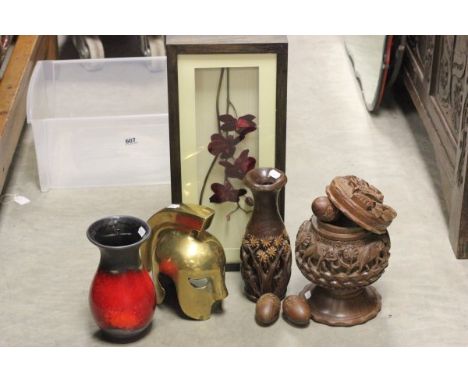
47,264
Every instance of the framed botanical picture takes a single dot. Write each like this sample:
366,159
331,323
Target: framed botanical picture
227,115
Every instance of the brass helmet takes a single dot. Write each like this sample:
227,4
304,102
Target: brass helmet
180,248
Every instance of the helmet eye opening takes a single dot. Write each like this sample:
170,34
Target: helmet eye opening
198,283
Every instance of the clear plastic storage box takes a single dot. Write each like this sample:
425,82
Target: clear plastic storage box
100,122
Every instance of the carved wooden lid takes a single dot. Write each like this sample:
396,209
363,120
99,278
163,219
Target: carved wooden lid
361,202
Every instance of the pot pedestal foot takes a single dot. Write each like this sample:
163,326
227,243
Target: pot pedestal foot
338,308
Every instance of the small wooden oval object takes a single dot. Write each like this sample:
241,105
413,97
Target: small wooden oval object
267,309
325,210
296,310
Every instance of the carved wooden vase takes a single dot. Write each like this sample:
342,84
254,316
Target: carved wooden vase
342,261
344,257
266,252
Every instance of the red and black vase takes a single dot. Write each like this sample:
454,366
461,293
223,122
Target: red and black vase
122,296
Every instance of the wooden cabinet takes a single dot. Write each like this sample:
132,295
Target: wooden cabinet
435,73
13,91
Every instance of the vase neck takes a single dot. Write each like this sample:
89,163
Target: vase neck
266,219
118,260
119,239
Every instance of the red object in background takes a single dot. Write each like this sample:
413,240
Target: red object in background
122,301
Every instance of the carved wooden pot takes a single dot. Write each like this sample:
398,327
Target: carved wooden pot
266,255
342,260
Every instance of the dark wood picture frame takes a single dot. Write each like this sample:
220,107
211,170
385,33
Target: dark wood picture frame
180,45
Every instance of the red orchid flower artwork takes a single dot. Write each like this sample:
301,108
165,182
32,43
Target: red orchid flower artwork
241,166
226,193
223,145
242,125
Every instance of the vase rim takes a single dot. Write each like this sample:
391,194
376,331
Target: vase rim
337,232
139,226
265,179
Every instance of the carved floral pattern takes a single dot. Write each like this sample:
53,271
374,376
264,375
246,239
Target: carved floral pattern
424,47
462,145
446,103
452,81
341,264
458,74
445,72
368,197
357,187
428,58
266,264
451,85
